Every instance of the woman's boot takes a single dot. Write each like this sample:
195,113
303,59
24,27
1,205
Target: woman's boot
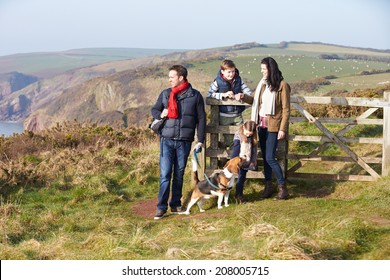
269,190
283,193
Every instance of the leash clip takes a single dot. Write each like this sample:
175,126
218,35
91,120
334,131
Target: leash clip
198,149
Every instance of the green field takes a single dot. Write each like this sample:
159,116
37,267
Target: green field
301,62
297,61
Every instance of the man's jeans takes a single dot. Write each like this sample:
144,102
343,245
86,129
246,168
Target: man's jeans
173,157
268,144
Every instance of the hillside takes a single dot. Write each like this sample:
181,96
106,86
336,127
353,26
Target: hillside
83,191
46,65
79,85
14,81
121,92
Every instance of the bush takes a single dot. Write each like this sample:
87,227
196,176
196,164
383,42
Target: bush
66,153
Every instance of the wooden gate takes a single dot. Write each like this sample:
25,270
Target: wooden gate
327,137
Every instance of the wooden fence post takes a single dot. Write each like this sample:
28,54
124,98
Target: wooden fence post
281,154
386,136
214,136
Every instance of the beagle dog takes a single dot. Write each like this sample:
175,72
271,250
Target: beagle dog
221,185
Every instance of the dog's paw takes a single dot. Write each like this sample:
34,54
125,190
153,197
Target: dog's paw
220,207
227,205
184,213
201,210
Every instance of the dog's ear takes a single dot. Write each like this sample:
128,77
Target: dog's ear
231,161
240,161
228,166
234,163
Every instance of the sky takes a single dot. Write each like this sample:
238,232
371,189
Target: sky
58,25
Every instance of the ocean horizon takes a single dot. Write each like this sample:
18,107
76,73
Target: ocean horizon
8,128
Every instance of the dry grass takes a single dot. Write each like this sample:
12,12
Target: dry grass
77,202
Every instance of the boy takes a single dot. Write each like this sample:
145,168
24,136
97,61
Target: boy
228,84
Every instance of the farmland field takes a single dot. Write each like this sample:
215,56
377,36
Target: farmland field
302,62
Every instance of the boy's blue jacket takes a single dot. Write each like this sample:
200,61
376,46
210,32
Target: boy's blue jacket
225,86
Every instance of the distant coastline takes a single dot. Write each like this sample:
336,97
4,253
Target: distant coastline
8,128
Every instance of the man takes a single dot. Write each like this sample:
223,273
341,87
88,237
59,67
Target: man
184,109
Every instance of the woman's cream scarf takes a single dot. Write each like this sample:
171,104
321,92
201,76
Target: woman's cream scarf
255,104
268,107
267,103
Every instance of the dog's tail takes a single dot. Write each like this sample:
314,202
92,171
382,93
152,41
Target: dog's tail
195,179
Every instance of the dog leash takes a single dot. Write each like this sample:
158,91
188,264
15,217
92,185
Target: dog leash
206,177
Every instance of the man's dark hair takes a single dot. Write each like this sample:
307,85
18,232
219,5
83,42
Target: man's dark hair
180,70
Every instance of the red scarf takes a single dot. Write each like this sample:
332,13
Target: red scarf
173,112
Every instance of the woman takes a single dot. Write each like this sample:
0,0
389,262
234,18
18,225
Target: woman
271,112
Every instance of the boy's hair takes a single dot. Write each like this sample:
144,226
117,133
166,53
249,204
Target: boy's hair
180,70
227,63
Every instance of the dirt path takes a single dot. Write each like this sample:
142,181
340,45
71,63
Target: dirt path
145,208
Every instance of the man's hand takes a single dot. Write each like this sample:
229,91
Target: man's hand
198,147
164,113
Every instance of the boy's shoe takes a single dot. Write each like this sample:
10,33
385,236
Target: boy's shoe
176,210
159,214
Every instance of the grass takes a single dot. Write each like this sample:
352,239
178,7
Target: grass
86,225
87,206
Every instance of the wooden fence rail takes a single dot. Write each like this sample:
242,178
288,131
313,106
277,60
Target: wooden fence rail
217,155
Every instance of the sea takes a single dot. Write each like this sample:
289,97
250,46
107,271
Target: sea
8,128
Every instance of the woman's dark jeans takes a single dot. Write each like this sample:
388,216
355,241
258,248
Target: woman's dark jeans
268,144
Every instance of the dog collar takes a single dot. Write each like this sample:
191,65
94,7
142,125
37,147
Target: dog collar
227,173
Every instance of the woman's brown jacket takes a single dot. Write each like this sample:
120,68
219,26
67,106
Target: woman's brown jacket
280,120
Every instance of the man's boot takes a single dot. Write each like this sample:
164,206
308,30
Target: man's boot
269,190
283,193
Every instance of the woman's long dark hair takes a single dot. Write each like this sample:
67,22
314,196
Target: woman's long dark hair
274,74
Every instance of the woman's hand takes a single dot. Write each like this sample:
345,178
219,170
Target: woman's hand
281,134
239,96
